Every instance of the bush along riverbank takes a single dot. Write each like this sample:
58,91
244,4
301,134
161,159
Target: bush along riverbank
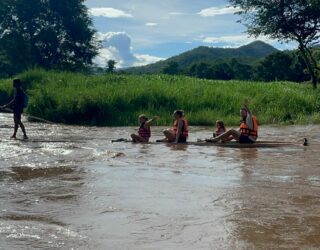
117,100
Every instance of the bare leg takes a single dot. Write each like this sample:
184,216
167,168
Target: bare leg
17,123
169,136
138,138
23,130
16,120
15,130
226,136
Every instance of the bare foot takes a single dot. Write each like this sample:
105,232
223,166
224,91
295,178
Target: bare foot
212,140
162,140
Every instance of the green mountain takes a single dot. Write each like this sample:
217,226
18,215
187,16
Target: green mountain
248,54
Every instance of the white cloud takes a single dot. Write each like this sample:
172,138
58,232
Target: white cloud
151,24
117,46
178,22
146,59
215,11
229,41
104,55
108,12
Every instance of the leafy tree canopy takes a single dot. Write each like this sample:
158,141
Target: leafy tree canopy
171,69
111,66
285,20
46,33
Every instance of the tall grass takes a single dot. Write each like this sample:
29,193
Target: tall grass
119,99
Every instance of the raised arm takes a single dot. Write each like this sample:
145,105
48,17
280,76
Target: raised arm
151,120
246,105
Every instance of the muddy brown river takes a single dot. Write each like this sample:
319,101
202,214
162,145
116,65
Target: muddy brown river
69,187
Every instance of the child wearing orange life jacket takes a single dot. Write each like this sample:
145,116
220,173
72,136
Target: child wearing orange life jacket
144,132
179,132
220,129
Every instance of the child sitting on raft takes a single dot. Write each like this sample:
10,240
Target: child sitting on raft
144,132
179,132
220,128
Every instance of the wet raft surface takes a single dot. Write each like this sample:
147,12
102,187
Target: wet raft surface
69,187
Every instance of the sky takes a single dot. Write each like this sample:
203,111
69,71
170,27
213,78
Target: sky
139,32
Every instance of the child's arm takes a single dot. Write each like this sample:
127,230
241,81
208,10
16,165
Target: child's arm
180,124
151,120
249,121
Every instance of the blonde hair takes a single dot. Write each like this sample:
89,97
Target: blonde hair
142,116
220,122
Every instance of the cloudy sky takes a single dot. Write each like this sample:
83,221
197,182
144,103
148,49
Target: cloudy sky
138,32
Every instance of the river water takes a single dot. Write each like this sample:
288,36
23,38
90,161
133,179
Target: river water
69,187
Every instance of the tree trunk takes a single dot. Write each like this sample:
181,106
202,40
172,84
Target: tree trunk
310,66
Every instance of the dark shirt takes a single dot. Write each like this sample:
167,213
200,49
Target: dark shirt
18,101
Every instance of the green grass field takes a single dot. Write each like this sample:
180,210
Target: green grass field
117,100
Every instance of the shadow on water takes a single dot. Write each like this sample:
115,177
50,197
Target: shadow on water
29,217
28,173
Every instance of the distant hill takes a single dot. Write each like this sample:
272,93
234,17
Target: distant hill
249,54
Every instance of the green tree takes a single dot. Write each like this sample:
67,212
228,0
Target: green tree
47,33
285,20
192,71
277,66
5,67
299,68
204,70
172,68
222,71
241,71
201,70
111,66
285,65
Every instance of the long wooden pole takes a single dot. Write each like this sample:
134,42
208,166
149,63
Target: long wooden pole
30,116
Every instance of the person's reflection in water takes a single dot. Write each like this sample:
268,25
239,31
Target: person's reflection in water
177,147
145,149
248,155
248,158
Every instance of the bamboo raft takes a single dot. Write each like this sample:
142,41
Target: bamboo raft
232,144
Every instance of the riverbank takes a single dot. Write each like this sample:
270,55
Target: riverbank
117,100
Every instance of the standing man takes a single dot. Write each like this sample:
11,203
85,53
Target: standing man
17,104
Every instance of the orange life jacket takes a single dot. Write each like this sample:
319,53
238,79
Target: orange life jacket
144,132
184,129
246,131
